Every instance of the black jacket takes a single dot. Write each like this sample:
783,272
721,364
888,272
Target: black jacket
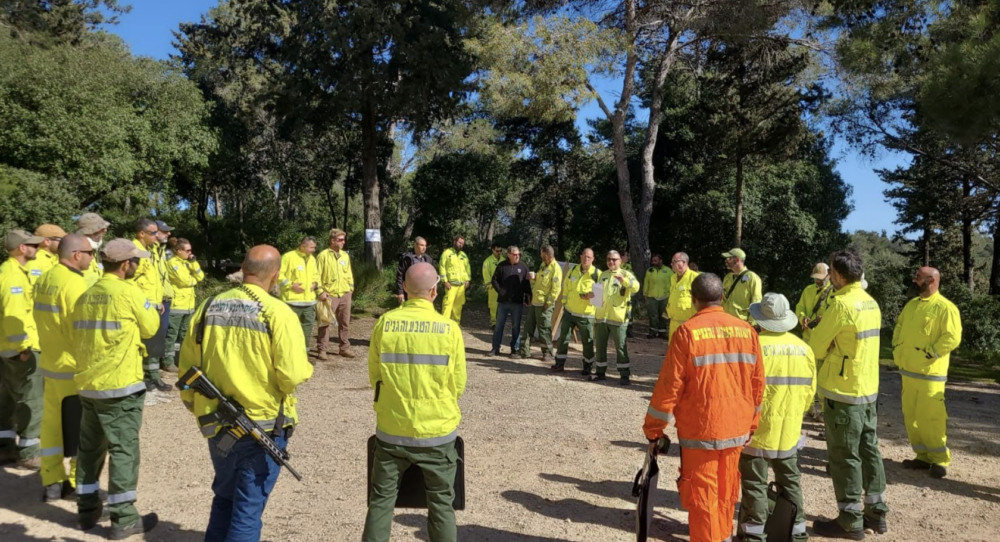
405,263
511,283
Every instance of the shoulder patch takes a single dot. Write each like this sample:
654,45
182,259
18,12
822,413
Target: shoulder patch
176,267
745,278
147,305
16,290
36,272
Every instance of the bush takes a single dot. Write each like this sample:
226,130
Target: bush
374,292
980,321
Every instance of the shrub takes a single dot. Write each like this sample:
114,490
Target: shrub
374,292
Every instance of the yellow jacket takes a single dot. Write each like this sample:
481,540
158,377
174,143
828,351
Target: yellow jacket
94,272
926,333
109,322
617,298
416,364
745,293
43,261
335,272
547,285
184,275
454,267
847,339
807,304
790,376
489,267
147,276
680,307
296,266
159,254
55,298
17,332
253,351
575,284
656,283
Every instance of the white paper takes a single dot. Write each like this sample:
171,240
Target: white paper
373,236
598,300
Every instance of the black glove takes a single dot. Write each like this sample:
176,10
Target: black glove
662,445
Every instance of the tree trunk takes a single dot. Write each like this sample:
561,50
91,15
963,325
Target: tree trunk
217,201
411,220
370,186
331,202
738,238
927,240
967,262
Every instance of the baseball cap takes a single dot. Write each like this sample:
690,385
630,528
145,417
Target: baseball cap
16,238
820,271
91,223
119,250
736,252
163,226
50,230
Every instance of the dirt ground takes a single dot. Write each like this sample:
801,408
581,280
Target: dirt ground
549,458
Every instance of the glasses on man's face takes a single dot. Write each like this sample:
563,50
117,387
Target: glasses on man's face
341,239
614,259
154,232
514,254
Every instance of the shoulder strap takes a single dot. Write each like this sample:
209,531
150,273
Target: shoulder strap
736,280
819,302
199,334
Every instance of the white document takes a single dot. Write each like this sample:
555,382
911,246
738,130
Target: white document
598,300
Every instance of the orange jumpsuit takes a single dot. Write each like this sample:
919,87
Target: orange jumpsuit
710,388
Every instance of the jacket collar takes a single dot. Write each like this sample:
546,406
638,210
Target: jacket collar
709,310
77,271
421,303
932,297
849,288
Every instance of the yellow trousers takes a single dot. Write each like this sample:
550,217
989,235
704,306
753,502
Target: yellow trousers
454,300
53,468
926,418
492,296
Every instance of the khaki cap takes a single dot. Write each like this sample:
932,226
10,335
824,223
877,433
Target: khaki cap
736,252
16,238
91,223
820,271
50,230
119,250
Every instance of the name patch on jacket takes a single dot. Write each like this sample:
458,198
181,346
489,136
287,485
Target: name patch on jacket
870,305
783,350
416,326
727,332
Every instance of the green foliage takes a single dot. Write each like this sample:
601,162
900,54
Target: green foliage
374,290
980,319
58,21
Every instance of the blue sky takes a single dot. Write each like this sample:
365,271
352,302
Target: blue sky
148,31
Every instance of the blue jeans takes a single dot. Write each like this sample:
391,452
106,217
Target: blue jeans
243,482
503,311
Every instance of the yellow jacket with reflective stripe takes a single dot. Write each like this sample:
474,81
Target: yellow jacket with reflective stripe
184,275
656,283
454,267
44,260
745,293
807,303
680,307
55,299
847,339
617,298
109,322
790,378
416,365
547,285
147,275
297,266
160,259
926,333
253,351
578,282
335,272
94,272
489,266
17,326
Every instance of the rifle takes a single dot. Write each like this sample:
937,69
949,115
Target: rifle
231,413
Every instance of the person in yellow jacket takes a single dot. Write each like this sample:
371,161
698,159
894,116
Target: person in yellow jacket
48,251
790,376
546,284
56,294
578,311
299,280
184,273
455,274
680,305
927,331
250,346
612,317
489,267
656,288
741,287
847,342
416,365
147,277
337,285
161,253
94,228
21,389
814,300
110,322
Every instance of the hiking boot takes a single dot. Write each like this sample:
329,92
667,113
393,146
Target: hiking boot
143,525
91,521
321,355
624,381
651,335
596,378
916,464
557,368
169,369
160,385
53,492
68,491
877,525
938,471
346,353
494,353
35,463
545,356
832,529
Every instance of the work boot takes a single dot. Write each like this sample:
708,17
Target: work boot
91,521
664,334
651,335
346,353
53,492
494,353
557,368
624,381
877,525
522,354
596,378
35,463
160,385
545,355
169,369
832,529
143,525
938,471
68,491
321,355
916,464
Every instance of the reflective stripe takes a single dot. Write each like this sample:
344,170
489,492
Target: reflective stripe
918,376
602,364
769,454
752,528
49,452
8,434
284,282
586,316
924,448
588,361
416,359
235,321
97,324
56,376
713,359
117,498
114,394
87,489
713,444
301,303
416,442
623,365
758,409
561,357
151,367
868,334
850,506
799,528
660,415
789,381
863,400
17,338
872,499
26,442
42,307
181,311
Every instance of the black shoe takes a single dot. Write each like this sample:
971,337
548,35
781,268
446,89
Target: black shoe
557,368
916,464
596,378
150,386
144,525
494,353
937,471
53,492
651,335
624,382
876,525
586,372
161,386
68,491
91,521
832,529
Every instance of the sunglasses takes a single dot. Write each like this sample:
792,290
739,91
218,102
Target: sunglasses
150,232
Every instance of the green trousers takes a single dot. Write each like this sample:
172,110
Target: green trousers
109,426
538,318
656,309
586,327
754,505
307,317
438,464
855,462
175,336
21,402
617,334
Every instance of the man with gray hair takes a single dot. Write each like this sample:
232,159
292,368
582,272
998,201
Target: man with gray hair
619,285
419,255
510,280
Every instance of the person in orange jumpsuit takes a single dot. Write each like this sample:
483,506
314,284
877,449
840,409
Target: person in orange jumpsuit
710,389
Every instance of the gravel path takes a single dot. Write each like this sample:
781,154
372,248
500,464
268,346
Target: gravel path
549,458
